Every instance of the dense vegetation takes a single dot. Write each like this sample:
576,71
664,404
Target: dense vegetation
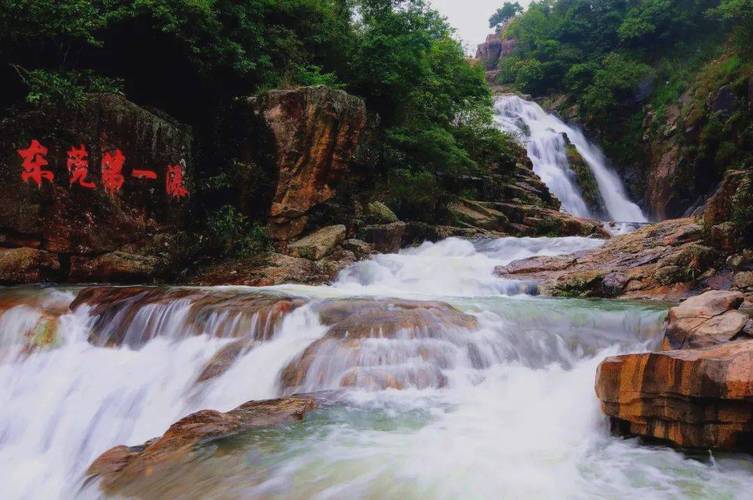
194,58
623,65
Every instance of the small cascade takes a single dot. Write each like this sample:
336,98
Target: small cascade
442,381
542,135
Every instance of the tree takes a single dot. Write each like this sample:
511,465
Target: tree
507,11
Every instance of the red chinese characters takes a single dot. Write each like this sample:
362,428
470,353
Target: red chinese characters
34,158
112,170
78,167
144,174
175,183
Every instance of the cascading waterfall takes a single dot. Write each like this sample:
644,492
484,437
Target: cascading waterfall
493,397
541,133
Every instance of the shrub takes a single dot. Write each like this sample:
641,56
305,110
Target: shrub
230,234
413,195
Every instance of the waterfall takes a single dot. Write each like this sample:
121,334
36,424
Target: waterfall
474,390
541,134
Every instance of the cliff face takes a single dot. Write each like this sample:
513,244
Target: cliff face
315,133
691,142
83,192
496,46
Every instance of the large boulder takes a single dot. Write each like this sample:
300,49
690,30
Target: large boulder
319,244
75,209
379,344
132,471
696,398
315,131
384,238
664,261
494,49
704,320
697,392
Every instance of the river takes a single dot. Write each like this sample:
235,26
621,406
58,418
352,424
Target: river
511,412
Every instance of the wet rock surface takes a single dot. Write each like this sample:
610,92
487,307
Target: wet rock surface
663,261
353,352
131,470
117,322
698,391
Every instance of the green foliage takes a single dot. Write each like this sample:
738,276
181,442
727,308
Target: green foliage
310,74
69,88
617,83
413,195
197,59
230,234
738,14
504,13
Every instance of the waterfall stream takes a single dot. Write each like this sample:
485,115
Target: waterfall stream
490,398
541,134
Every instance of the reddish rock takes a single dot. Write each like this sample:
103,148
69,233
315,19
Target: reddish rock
130,471
61,218
696,398
231,314
698,392
663,261
316,131
349,355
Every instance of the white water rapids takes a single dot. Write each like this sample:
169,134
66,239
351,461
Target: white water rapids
541,134
517,417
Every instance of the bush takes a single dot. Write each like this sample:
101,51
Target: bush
65,89
230,234
413,195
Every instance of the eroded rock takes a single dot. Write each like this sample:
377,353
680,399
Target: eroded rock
318,244
380,344
695,398
662,261
127,471
316,131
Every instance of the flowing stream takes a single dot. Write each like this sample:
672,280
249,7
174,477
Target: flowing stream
541,134
500,405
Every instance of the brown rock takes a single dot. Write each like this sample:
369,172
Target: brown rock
743,281
319,244
224,359
718,208
129,471
659,261
273,269
113,267
493,49
697,398
316,131
707,319
348,355
27,265
385,238
114,310
69,219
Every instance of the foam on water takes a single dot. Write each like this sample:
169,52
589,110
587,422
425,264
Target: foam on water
517,417
541,133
